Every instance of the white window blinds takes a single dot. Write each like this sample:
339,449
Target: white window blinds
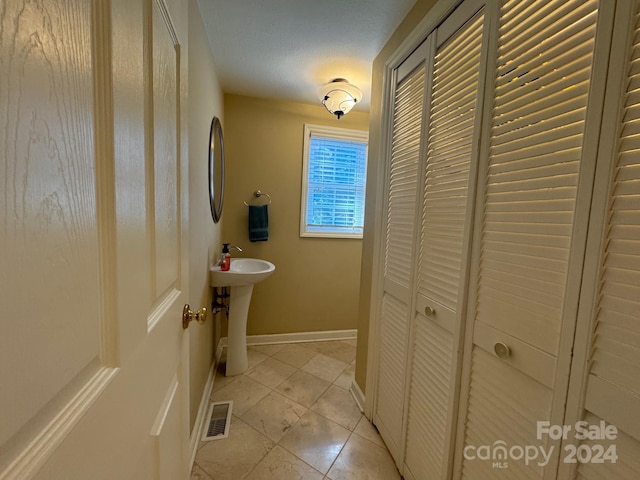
334,181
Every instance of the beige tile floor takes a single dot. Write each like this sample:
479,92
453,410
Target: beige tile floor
294,419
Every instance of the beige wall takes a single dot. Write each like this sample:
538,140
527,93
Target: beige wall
316,283
205,101
373,213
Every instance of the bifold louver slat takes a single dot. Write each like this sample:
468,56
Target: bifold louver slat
403,177
450,142
615,355
545,53
399,234
390,401
447,171
428,402
534,164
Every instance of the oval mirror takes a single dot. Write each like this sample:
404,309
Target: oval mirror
216,169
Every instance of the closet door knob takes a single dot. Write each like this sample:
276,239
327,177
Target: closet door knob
429,311
502,350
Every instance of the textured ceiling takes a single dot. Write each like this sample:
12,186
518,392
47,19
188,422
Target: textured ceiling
286,49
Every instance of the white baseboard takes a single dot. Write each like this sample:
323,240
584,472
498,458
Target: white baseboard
357,394
300,337
201,419
221,344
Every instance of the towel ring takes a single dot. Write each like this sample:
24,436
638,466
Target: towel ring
258,194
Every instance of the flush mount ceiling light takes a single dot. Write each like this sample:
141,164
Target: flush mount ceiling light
339,96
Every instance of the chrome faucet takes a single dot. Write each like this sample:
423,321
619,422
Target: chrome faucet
234,247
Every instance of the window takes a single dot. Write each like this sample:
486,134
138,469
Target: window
333,182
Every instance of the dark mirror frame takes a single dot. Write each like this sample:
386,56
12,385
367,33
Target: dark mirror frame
216,184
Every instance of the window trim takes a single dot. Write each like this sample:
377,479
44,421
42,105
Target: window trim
334,133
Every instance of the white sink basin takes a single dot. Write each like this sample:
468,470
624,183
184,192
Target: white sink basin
243,271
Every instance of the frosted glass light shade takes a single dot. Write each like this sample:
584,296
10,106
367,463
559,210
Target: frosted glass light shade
339,96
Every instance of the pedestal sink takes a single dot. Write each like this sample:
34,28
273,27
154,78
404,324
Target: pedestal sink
242,275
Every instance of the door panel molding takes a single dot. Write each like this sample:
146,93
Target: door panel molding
43,440
165,183
57,169
166,303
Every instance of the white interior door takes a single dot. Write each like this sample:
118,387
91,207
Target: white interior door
448,176
93,358
401,185
605,385
529,257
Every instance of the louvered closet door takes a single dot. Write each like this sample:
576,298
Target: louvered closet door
402,184
524,230
609,344
453,129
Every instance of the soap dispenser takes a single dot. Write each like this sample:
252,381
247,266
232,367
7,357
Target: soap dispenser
225,262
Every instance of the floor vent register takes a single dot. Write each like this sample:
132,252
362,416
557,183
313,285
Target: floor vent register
219,415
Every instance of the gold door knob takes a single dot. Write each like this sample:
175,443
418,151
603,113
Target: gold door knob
429,311
188,315
502,350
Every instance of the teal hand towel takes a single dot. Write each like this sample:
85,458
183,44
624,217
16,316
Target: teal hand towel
258,223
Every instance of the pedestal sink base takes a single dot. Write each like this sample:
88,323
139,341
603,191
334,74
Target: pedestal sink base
237,361
243,273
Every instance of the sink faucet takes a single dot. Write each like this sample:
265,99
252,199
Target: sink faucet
225,258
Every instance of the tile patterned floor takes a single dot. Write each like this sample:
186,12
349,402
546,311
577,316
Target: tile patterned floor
294,419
